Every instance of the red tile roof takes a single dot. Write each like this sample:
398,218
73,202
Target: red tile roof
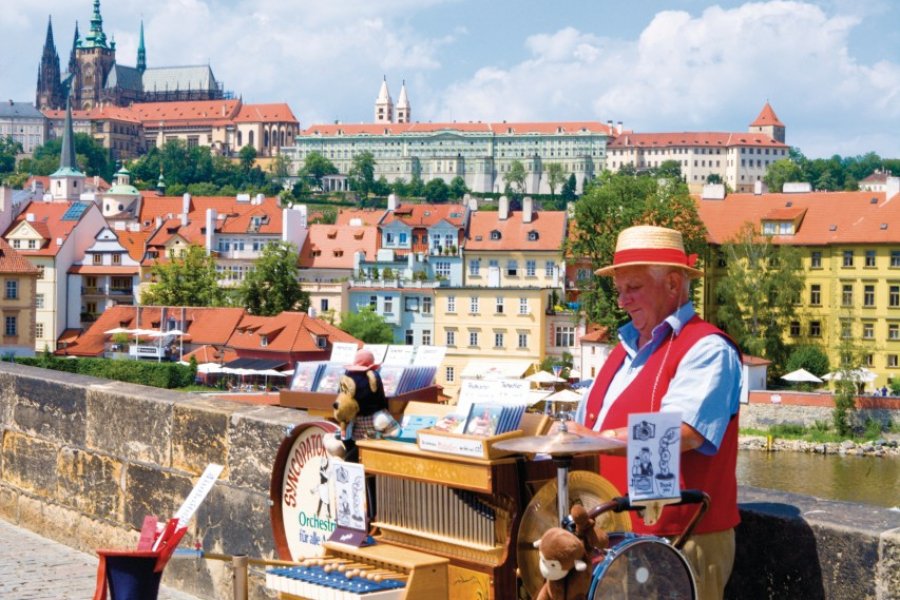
830,217
367,216
200,111
285,332
549,225
13,262
104,270
708,139
101,113
557,127
333,247
47,221
598,336
767,117
426,215
265,113
211,354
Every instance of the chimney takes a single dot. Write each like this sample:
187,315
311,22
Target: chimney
713,191
760,188
260,198
527,209
472,203
892,187
158,222
619,128
210,228
503,208
609,125
392,202
185,204
29,217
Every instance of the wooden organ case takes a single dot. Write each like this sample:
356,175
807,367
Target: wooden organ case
463,509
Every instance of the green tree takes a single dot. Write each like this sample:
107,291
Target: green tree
613,203
367,326
362,173
280,167
780,172
568,189
247,157
758,295
714,178
458,188
187,280
515,178
846,381
668,168
809,357
91,157
381,187
9,149
436,191
316,166
556,176
416,186
272,285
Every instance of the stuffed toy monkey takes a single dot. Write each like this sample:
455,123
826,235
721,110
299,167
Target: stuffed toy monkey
563,565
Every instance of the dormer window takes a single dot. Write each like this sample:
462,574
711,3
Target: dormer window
778,228
322,342
332,234
263,341
495,235
533,236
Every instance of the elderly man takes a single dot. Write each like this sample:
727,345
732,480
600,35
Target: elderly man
668,359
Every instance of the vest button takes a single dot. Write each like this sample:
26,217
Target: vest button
592,416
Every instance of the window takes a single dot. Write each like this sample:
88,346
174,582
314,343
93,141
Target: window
451,304
869,295
848,258
388,305
373,302
411,304
442,268
815,329
815,294
565,336
868,331
475,267
450,374
847,295
263,341
870,258
548,269
894,296
409,337
512,268
523,340
323,304
815,260
38,330
846,330
530,268
451,338
39,301
499,305
402,239
498,340
32,244
98,259
10,326
426,305
473,305
892,361
795,329
473,338
12,289
523,306
117,259
870,360
895,258
894,331
17,244
426,337
40,271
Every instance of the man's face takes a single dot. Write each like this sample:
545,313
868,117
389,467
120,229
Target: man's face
647,300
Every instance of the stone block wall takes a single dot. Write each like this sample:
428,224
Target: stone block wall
83,460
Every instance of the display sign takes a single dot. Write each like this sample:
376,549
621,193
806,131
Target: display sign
303,515
343,353
654,456
399,355
429,356
348,481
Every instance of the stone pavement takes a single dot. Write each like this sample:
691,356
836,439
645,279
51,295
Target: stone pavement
35,568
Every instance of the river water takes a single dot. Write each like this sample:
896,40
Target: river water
864,479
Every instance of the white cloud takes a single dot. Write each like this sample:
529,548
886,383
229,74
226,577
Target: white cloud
709,71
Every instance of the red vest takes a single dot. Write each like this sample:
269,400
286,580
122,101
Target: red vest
714,474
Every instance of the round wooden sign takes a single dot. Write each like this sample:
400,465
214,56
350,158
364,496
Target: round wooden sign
301,513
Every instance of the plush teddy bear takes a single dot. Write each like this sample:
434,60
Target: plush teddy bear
563,565
345,405
584,529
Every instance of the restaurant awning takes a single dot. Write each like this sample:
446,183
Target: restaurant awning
257,364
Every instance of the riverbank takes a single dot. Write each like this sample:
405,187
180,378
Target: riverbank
878,448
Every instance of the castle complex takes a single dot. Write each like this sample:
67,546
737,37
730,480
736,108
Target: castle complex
94,76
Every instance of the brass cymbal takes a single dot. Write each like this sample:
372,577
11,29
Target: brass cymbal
564,443
586,488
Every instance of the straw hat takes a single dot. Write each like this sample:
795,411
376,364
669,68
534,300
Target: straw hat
651,245
364,361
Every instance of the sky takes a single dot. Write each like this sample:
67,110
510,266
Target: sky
829,68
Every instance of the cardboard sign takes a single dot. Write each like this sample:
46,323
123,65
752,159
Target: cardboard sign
348,481
343,353
654,456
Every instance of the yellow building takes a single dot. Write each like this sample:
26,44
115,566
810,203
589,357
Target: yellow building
850,244
18,283
512,277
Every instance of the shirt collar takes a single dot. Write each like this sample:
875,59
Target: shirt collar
675,322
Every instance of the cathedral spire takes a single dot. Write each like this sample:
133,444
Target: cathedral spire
142,52
404,112
384,106
73,62
49,90
96,38
67,155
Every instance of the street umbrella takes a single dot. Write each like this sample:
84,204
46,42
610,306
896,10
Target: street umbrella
860,375
564,396
116,330
544,377
801,376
